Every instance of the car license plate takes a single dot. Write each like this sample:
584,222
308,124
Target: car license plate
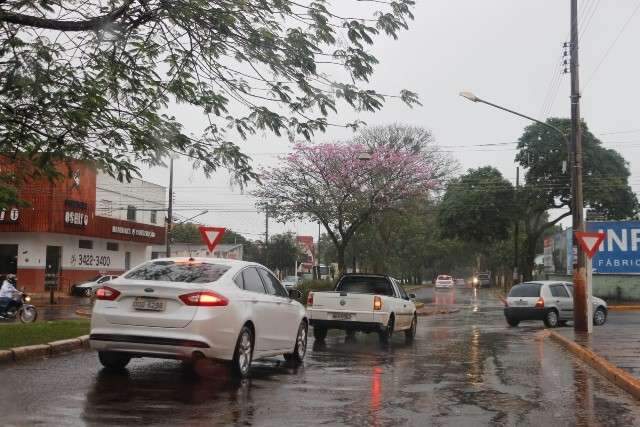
342,316
521,303
149,304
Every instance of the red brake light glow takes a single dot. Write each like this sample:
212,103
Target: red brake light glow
540,303
106,293
377,303
204,299
310,299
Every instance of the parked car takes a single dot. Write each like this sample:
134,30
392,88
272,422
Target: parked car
444,282
549,301
364,303
291,282
192,308
88,288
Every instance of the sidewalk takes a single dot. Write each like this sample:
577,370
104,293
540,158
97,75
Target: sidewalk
617,342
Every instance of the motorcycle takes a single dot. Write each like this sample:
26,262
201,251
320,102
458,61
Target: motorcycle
23,310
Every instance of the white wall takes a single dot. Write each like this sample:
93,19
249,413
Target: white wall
32,251
113,197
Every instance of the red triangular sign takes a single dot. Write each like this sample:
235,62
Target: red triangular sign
211,236
589,241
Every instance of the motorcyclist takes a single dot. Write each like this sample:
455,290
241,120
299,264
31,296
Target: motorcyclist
7,293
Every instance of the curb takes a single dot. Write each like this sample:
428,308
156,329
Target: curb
29,352
425,312
621,378
623,308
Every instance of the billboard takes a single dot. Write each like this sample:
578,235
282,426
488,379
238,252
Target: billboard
620,250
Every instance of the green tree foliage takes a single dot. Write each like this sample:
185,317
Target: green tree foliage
478,207
98,81
543,153
283,252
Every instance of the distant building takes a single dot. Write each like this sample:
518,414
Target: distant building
228,251
82,225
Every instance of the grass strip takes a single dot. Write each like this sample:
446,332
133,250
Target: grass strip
18,334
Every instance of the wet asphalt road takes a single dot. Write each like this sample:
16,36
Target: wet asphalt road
464,369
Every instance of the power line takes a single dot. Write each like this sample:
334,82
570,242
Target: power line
609,49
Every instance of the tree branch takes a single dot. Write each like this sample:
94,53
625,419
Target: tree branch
92,24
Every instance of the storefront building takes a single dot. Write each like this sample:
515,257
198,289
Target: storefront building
80,226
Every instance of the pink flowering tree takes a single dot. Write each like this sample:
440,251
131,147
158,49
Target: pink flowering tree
328,183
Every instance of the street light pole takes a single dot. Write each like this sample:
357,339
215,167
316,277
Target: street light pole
169,210
581,318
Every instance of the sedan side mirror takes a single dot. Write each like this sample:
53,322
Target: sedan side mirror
412,296
295,294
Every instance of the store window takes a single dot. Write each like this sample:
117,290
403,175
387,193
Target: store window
154,217
131,213
85,244
111,246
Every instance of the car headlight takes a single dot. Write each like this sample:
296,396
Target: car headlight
475,280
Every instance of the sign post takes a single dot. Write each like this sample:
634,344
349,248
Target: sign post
211,236
589,242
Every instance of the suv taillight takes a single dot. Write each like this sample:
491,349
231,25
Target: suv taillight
540,303
106,293
204,299
377,303
310,299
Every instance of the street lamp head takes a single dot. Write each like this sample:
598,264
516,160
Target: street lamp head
364,156
470,96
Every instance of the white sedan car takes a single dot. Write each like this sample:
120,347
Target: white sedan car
190,308
444,282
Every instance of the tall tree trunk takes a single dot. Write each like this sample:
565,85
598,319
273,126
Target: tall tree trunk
341,263
530,257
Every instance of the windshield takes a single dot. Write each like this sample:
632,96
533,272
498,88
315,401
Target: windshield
171,271
365,285
526,290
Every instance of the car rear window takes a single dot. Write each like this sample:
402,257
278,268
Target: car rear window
172,271
526,290
365,285
444,277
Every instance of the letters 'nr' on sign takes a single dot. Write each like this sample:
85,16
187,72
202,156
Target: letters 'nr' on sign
211,236
589,241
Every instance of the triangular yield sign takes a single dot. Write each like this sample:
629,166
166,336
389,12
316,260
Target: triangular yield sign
589,241
211,236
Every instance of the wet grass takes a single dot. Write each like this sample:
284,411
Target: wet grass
18,334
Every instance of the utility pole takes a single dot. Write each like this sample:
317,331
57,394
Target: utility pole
169,210
266,237
516,257
318,255
581,317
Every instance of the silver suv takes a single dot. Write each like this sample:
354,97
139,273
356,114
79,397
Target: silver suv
549,301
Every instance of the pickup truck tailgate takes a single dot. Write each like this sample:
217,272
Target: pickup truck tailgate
337,306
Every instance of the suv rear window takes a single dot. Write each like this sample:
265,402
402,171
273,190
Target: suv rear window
444,277
365,285
526,290
171,271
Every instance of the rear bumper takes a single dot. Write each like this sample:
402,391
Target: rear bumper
347,325
525,313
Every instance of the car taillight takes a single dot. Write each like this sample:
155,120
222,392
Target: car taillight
540,303
204,299
310,299
377,303
106,293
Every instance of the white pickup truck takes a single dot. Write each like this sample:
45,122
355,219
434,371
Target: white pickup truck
363,303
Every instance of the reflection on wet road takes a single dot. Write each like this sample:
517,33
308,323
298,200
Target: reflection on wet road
465,368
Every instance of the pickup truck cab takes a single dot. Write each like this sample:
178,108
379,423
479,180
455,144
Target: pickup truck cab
363,303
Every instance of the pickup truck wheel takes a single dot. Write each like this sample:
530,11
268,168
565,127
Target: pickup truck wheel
386,334
319,333
410,334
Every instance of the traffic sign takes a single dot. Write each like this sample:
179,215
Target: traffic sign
211,236
589,241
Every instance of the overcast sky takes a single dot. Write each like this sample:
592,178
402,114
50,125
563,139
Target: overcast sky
508,52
